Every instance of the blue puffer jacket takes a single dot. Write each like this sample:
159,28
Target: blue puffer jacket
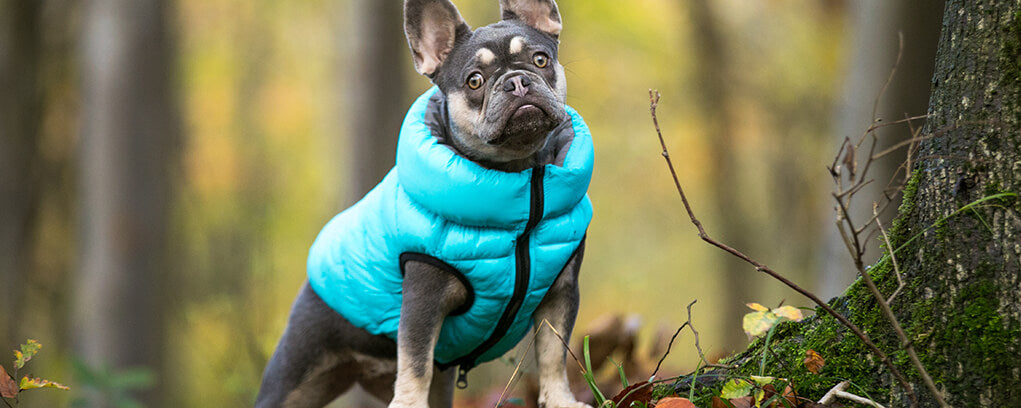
506,235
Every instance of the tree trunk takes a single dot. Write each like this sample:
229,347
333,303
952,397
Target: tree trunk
961,303
714,95
128,147
375,84
20,119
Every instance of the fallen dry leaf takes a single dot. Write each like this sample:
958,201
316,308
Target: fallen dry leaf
813,361
675,402
642,393
8,388
788,394
743,402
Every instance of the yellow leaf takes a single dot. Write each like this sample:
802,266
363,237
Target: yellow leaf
757,307
27,351
33,383
757,323
789,313
762,380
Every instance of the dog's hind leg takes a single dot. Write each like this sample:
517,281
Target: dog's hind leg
312,365
429,295
559,308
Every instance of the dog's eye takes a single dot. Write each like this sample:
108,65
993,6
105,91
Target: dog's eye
540,60
475,80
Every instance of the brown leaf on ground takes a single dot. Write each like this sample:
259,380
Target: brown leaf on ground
743,402
8,388
788,394
642,393
813,361
675,402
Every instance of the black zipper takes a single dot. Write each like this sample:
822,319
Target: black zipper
523,271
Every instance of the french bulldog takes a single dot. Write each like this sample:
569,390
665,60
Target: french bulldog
500,105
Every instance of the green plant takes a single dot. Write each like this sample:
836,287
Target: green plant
115,386
10,391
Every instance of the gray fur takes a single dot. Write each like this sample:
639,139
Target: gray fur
321,355
483,124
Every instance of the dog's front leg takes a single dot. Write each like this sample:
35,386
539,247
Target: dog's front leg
559,307
429,294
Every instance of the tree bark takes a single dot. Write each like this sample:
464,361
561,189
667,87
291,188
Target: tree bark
961,303
127,151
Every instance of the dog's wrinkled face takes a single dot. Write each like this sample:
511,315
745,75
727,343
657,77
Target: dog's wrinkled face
505,89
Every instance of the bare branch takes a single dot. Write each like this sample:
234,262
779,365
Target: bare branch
889,79
653,103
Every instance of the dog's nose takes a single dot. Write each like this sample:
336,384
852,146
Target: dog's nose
517,85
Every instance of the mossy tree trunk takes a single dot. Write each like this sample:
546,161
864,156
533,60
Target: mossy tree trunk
961,303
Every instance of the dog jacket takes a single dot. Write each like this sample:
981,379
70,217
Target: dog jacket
506,236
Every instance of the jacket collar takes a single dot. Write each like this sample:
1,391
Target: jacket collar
460,190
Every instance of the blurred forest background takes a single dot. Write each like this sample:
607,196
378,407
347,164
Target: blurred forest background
165,165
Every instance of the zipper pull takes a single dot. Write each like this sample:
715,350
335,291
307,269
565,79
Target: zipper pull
462,377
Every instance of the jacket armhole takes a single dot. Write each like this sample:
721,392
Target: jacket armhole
433,261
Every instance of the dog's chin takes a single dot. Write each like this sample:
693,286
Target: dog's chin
525,130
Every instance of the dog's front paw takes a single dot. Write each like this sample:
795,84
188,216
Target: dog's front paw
562,401
418,404
405,402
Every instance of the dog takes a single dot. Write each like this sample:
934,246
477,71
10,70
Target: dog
473,239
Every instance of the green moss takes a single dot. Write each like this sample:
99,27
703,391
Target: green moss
1010,54
941,230
898,233
976,338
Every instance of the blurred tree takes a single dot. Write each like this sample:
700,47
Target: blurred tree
874,49
711,79
127,153
20,124
374,87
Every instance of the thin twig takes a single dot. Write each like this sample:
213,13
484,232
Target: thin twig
901,144
904,341
653,103
889,79
698,347
701,355
566,346
670,344
893,257
517,367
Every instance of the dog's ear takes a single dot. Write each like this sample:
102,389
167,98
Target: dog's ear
542,15
432,28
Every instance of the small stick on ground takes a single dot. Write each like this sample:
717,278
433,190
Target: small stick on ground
838,392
